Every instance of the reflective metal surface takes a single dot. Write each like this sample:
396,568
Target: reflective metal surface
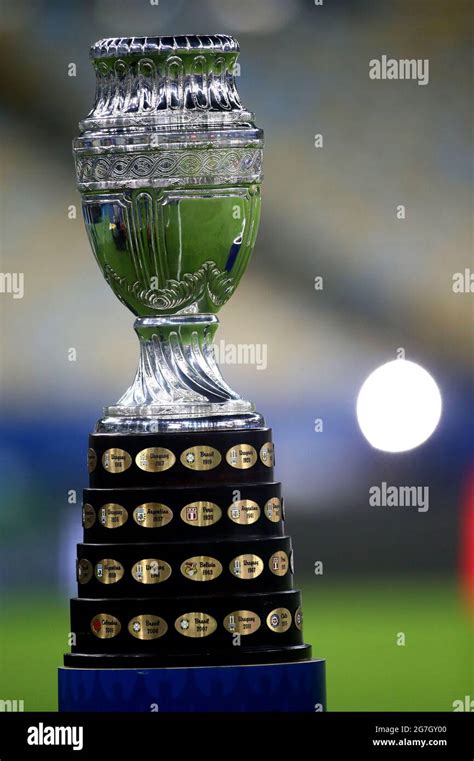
169,167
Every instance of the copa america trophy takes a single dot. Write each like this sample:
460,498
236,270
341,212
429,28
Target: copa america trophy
185,576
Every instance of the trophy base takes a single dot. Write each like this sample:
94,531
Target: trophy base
185,580
250,657
280,687
206,417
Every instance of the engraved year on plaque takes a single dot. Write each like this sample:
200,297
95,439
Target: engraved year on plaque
244,512
242,622
279,563
195,624
147,627
151,571
155,459
201,513
201,568
112,515
152,515
272,509
279,620
246,566
116,460
108,571
241,456
201,458
105,626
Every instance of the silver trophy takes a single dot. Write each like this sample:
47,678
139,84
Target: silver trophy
169,166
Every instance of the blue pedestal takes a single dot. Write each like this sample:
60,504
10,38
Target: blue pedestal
276,687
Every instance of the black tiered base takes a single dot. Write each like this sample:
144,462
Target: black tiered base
184,561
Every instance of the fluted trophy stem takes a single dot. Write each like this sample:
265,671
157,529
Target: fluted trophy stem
177,373
178,385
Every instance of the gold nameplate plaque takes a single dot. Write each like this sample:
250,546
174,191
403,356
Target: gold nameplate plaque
201,458
299,619
116,460
246,566
152,515
195,625
242,622
155,459
151,571
267,454
279,620
147,627
279,563
105,626
108,571
201,513
201,568
112,515
273,510
88,515
244,512
85,571
241,456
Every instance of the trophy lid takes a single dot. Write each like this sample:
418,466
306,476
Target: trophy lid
165,81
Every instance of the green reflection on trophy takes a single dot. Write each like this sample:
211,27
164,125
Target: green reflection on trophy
173,251
169,166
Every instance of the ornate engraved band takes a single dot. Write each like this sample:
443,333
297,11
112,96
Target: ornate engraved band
162,168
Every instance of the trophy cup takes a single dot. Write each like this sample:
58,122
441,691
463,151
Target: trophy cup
185,577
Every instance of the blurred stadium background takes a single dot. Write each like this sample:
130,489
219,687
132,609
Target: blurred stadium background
327,212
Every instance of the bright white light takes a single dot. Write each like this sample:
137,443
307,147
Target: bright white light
399,406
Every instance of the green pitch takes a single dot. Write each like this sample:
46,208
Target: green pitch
355,626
